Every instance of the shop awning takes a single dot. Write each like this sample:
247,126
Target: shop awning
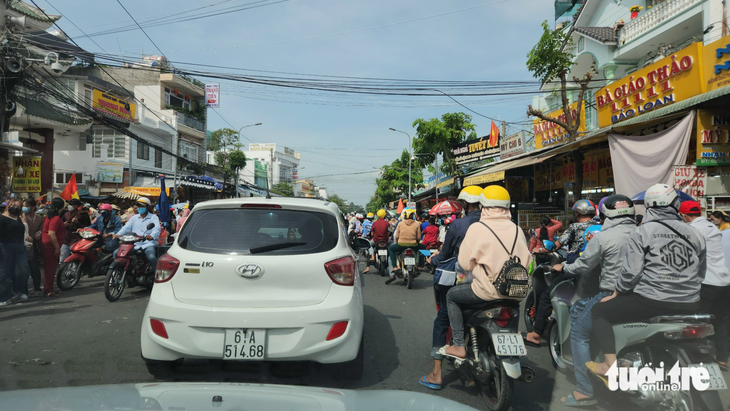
129,195
9,146
497,171
200,182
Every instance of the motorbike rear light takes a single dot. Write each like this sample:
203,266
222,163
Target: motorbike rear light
501,315
337,330
409,253
158,328
167,265
260,206
341,271
691,331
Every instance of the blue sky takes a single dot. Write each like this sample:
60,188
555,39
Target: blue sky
484,43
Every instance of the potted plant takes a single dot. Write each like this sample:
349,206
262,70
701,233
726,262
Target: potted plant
635,11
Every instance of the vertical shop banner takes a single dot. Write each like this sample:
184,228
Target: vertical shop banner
26,174
605,169
716,56
713,138
642,161
213,95
691,179
549,134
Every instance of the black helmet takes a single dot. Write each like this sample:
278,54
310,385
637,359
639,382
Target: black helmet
57,203
618,206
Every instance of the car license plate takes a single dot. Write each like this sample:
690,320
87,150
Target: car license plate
382,252
409,261
717,381
244,344
509,345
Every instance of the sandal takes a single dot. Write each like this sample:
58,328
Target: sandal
593,368
442,351
570,401
424,381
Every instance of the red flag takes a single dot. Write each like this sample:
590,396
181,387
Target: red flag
493,135
71,191
400,207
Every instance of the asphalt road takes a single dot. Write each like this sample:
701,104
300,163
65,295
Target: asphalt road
80,338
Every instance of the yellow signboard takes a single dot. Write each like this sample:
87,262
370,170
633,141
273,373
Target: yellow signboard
26,174
713,138
484,178
548,134
147,191
716,62
669,80
113,107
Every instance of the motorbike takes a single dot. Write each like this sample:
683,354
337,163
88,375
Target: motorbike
493,349
540,281
667,339
381,259
409,270
130,268
432,248
88,256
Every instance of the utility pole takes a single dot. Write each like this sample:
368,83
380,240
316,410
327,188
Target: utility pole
437,178
3,91
504,130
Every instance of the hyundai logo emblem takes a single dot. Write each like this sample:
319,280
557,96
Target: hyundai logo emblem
250,270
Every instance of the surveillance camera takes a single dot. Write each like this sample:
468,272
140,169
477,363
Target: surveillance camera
57,67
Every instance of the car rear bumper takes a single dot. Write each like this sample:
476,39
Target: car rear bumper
293,333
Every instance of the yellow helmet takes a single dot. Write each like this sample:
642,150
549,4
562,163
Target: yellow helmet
381,213
408,214
470,194
495,196
370,216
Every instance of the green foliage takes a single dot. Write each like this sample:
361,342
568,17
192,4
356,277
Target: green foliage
434,137
236,159
197,113
224,137
343,205
393,181
552,56
283,188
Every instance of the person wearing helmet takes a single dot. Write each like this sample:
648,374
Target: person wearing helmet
583,211
661,274
407,235
367,225
597,270
108,224
73,219
443,229
484,253
137,225
716,285
355,227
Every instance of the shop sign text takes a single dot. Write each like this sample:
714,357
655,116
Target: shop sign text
548,133
691,179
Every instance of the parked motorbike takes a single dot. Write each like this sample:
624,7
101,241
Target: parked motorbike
408,271
88,256
381,259
667,339
540,281
130,268
493,349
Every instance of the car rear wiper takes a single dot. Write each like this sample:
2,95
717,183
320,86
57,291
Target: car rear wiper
274,247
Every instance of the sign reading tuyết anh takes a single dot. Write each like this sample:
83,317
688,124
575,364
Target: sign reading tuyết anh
669,80
26,174
475,150
548,133
113,107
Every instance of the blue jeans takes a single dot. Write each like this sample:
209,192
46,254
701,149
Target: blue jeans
16,268
149,252
441,322
581,328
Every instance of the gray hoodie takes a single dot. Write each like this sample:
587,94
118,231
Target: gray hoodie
603,256
661,266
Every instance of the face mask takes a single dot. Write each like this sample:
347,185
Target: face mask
142,210
70,208
14,211
716,222
26,210
105,214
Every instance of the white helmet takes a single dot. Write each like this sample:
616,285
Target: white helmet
359,216
144,200
661,195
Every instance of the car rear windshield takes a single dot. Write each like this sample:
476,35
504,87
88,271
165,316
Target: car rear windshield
259,231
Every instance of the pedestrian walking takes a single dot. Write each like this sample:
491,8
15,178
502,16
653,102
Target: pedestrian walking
13,234
34,222
54,233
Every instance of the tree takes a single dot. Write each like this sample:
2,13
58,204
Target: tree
283,188
434,137
550,59
223,137
393,181
343,205
227,147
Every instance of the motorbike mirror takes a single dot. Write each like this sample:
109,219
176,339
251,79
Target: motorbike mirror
362,244
151,226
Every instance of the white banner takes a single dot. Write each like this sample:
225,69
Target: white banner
213,95
691,179
512,145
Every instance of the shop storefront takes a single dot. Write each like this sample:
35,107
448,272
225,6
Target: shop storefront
198,189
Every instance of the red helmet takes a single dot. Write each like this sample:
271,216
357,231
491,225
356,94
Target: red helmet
105,207
447,221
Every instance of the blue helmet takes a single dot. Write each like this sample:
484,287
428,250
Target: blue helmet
549,245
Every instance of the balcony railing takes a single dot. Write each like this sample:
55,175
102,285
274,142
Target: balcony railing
190,122
654,17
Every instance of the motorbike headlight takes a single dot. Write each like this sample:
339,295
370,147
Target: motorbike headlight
129,238
87,234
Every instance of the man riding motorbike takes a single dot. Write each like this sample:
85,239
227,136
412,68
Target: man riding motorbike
108,224
597,269
137,225
661,274
407,235
380,233
445,259
482,253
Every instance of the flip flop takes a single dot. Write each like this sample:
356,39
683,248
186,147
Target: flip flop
570,401
424,381
530,343
593,368
442,351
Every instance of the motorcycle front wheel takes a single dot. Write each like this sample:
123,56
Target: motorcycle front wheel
497,391
68,275
114,284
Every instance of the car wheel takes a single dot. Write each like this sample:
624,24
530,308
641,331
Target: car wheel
160,369
351,370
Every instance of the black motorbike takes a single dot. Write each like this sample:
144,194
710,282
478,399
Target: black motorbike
541,280
381,258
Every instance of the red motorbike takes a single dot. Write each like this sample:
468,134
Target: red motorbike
130,268
87,256
432,248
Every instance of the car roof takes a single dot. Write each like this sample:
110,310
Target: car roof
297,202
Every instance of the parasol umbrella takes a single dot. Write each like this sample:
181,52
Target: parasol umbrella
639,198
164,204
447,207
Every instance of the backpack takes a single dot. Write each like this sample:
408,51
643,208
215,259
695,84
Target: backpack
512,278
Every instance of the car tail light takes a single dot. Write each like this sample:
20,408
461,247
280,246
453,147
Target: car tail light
158,328
260,206
341,271
167,265
501,315
337,330
409,252
691,331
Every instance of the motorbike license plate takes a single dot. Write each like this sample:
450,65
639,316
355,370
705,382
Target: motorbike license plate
382,252
509,345
717,381
244,344
433,251
409,261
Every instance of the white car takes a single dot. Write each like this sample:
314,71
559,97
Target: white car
257,280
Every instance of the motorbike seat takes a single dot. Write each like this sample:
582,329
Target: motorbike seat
472,309
139,252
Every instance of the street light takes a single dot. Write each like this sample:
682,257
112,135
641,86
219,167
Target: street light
410,154
239,142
